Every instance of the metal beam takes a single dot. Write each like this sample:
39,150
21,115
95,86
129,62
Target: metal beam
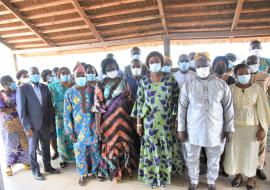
29,25
237,14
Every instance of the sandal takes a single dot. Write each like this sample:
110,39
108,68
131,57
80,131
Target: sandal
251,187
236,182
117,179
26,166
9,171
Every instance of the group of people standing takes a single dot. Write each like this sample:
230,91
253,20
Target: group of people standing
150,117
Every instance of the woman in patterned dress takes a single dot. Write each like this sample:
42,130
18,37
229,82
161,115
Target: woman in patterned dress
156,104
58,90
113,107
15,141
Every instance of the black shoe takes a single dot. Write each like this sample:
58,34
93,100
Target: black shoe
51,170
192,186
82,180
63,164
223,173
260,174
55,156
236,183
39,176
211,187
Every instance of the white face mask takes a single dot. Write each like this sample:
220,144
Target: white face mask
155,67
254,68
256,52
203,72
25,80
112,74
136,71
136,56
192,64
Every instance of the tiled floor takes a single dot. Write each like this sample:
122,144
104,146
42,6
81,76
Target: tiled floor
68,178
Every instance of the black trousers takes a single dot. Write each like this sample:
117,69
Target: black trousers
43,135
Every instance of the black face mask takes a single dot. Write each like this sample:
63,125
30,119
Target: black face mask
220,69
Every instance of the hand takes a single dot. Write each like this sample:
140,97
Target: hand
140,130
228,136
73,138
260,134
29,133
182,135
98,132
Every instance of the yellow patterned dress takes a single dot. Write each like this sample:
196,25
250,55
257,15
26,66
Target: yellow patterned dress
250,109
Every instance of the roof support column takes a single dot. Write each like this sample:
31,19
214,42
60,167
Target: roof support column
15,63
167,45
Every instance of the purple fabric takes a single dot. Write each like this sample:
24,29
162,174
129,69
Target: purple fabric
15,141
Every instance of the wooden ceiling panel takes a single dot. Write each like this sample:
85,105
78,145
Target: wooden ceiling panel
30,24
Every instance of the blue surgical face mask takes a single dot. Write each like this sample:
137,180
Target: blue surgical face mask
80,81
91,77
231,64
155,67
65,78
136,56
166,69
184,66
244,79
35,78
13,86
51,79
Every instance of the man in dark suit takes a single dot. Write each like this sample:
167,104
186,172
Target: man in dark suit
35,110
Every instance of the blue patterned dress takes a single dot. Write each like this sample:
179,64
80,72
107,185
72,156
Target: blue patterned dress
64,144
80,121
156,104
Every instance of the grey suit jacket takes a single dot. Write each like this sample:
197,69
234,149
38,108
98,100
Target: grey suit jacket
32,114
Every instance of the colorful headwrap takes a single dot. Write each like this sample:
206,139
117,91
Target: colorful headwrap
79,68
202,55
